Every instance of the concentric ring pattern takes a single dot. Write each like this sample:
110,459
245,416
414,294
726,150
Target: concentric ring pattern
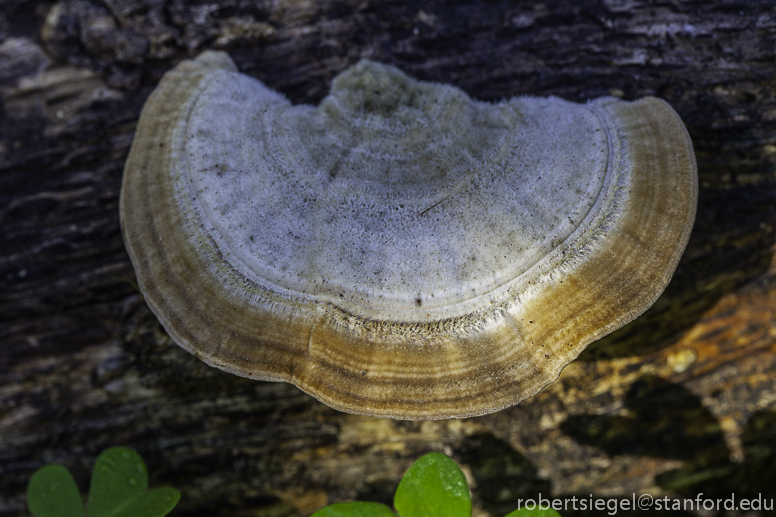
400,250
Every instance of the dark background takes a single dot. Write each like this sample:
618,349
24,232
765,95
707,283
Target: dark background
681,401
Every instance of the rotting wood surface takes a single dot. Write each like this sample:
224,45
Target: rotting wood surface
681,401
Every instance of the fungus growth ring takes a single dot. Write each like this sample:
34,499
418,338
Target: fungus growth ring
400,250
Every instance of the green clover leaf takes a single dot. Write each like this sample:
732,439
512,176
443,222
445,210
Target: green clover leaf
434,485
119,489
52,492
119,484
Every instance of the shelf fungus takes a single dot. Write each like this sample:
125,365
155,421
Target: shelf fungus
401,250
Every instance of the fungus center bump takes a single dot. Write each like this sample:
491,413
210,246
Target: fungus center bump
392,191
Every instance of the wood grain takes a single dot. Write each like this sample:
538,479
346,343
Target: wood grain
679,402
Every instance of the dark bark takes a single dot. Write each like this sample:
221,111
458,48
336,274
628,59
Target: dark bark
679,402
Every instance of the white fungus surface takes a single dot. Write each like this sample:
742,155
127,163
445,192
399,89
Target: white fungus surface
401,250
392,195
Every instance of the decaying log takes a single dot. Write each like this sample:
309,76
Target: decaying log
681,401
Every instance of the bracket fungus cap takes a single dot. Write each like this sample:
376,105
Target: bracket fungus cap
401,250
